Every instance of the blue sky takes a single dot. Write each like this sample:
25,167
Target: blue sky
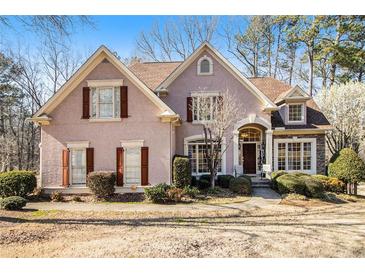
119,33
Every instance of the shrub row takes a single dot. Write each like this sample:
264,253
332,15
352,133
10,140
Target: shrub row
300,183
164,193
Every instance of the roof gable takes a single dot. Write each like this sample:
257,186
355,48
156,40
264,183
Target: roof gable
268,104
295,93
100,54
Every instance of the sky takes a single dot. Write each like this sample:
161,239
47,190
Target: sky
119,33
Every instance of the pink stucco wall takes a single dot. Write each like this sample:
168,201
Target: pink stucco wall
221,80
104,137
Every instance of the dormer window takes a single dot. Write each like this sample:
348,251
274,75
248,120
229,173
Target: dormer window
296,113
205,66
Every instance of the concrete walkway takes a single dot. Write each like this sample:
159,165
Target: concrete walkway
261,198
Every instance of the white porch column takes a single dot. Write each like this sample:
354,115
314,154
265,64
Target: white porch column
268,148
235,149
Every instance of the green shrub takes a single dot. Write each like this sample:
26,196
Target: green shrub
274,176
17,183
203,184
194,181
313,187
246,177
13,203
289,183
205,177
158,193
191,192
321,177
101,183
181,171
347,167
76,199
223,180
56,196
174,194
240,185
331,184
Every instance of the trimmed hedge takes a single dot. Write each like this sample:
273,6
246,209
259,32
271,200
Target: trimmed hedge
246,177
158,193
205,177
240,185
313,188
17,183
347,167
101,183
181,171
290,183
223,180
331,184
203,184
274,176
13,203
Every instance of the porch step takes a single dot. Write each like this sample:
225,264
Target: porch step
260,185
258,182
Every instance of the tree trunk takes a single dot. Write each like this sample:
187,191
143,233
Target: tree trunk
310,58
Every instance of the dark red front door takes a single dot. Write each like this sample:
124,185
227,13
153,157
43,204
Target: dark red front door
249,158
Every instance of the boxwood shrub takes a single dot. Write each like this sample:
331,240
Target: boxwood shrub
13,203
274,176
246,177
158,193
290,183
313,187
348,167
101,183
203,184
240,185
17,183
223,180
181,171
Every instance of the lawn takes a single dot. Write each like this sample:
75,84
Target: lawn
305,229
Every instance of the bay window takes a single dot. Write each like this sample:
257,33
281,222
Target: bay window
295,155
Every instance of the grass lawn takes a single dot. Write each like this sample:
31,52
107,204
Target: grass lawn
310,228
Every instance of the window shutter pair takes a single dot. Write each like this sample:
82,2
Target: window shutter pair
66,164
144,166
86,102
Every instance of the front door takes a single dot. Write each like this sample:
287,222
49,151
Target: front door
249,158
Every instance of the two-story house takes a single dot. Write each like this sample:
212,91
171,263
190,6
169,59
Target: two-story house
133,120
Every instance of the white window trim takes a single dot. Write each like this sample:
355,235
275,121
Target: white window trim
104,83
304,114
197,94
130,144
313,142
205,57
78,144
201,137
97,119
257,143
74,147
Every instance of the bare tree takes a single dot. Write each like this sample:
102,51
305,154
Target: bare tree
217,115
176,38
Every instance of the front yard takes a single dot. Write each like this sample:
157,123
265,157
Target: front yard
289,229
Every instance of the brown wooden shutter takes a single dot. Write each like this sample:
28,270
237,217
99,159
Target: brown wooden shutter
89,160
123,102
189,111
85,103
65,168
144,166
120,166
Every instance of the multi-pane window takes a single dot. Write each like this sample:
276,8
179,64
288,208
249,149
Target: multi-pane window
204,107
78,166
281,156
132,166
250,135
294,156
307,159
294,160
198,160
204,66
296,113
105,102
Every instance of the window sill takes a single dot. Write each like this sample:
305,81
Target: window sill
101,120
302,122
195,122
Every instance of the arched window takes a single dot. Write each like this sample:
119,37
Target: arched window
250,135
205,66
